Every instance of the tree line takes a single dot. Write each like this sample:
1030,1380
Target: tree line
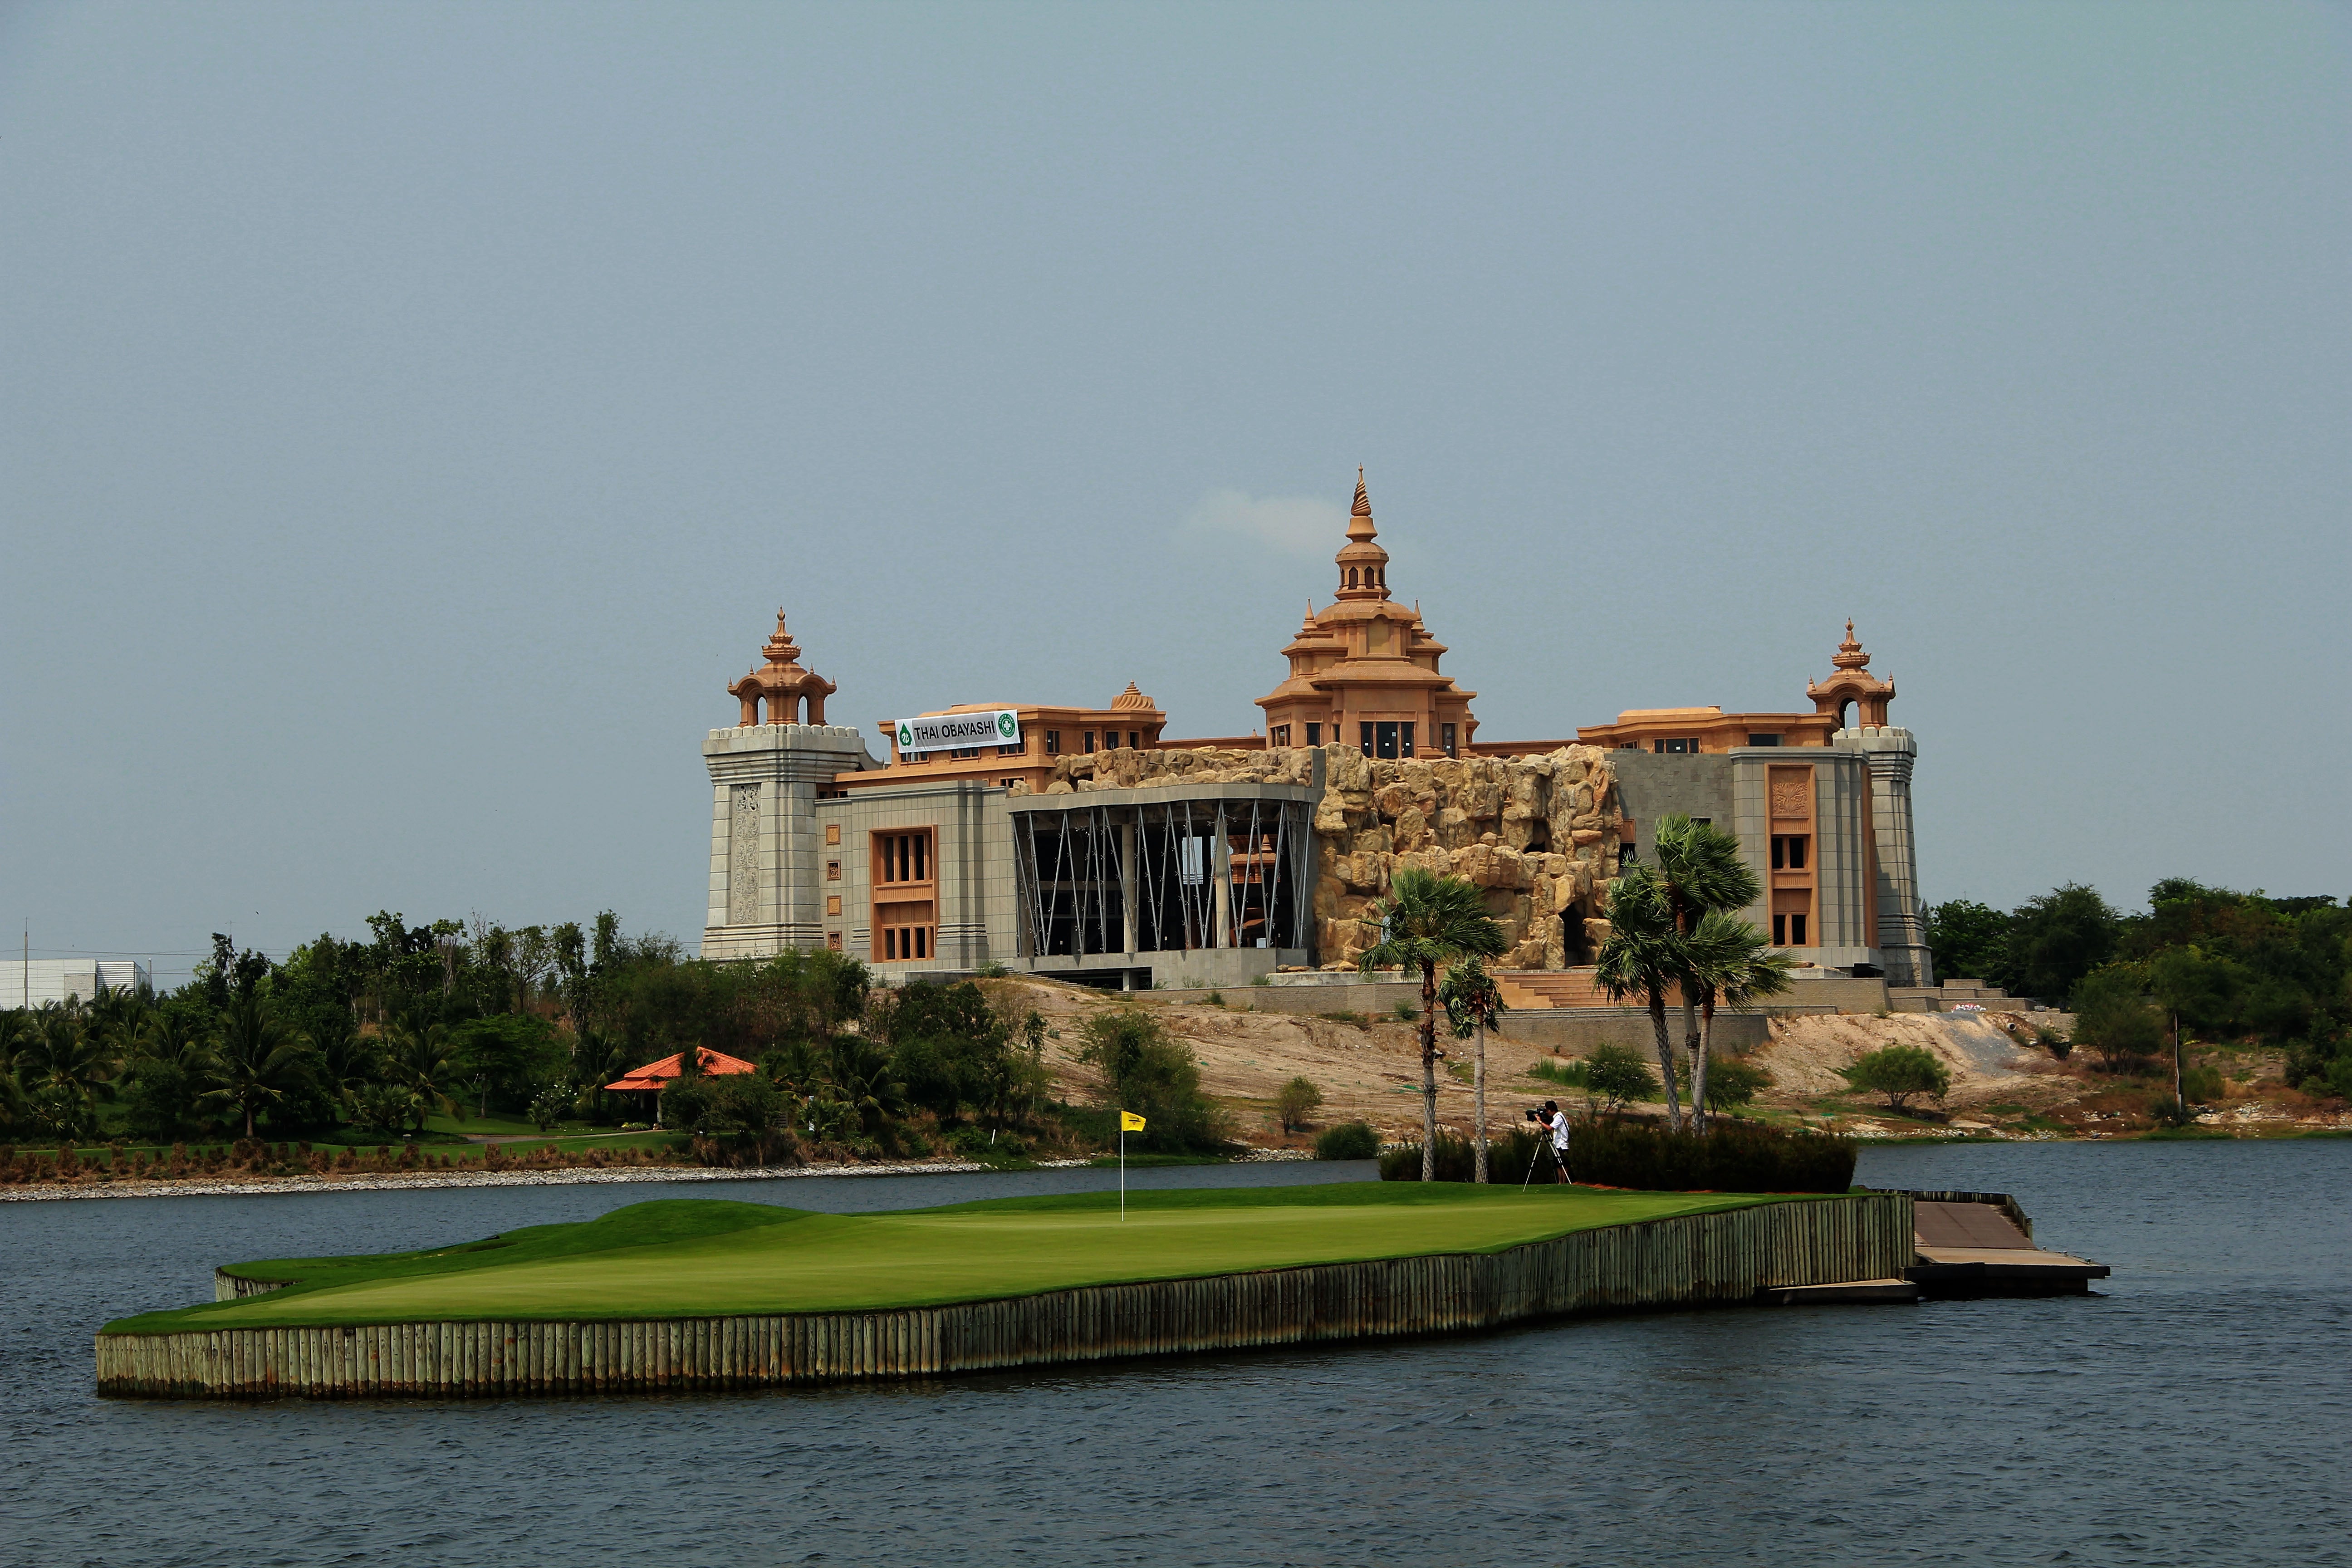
363,1039
2244,968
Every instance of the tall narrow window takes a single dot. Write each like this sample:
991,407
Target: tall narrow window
1088,741
1446,739
1052,743
905,901
1313,734
1405,740
1364,737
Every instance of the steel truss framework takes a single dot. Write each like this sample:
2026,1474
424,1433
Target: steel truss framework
1079,866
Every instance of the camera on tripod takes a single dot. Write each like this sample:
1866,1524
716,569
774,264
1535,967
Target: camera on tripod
1534,1115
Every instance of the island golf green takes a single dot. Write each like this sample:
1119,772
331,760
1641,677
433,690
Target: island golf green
696,1259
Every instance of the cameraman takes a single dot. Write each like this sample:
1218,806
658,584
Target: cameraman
1555,1120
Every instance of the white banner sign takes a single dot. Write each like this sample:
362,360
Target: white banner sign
957,731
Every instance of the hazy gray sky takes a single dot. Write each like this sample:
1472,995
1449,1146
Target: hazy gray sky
414,415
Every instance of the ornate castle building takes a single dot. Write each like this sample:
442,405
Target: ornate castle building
1084,842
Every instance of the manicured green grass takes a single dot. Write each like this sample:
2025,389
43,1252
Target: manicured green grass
693,1258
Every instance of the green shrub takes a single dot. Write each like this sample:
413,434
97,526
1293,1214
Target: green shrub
1142,1070
1898,1072
2114,1020
1261,980
1216,998
1732,1083
1348,1140
1730,1157
2202,1085
1616,1076
1296,1101
2171,1112
1568,1075
1407,1012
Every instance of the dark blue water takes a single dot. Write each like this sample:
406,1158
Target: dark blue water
2199,1412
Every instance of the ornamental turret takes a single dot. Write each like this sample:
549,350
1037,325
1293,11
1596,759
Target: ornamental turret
1853,685
783,684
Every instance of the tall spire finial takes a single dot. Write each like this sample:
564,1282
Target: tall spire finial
1363,507
1849,655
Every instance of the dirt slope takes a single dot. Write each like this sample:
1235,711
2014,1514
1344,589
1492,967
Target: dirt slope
1367,1071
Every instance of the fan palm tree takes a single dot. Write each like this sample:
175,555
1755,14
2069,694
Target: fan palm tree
1700,871
1473,1001
1425,921
259,1058
1726,961
1644,955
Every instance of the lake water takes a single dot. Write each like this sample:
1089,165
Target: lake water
2198,1412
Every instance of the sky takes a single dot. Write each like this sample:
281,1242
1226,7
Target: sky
411,418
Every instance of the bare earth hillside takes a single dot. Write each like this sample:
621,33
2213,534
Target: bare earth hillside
2003,1081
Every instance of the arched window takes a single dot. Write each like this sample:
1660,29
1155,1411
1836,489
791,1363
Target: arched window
1351,576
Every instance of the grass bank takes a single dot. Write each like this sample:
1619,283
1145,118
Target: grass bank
699,1258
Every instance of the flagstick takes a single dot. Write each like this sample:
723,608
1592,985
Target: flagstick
1122,1172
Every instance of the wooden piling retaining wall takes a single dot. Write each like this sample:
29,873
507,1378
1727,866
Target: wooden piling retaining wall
1691,1260
228,1287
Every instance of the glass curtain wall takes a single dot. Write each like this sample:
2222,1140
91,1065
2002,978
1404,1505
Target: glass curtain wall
1168,877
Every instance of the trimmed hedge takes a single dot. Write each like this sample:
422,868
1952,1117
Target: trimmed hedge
1347,1141
1731,1157
1506,1158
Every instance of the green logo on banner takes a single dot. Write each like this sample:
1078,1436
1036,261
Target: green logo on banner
905,736
1004,725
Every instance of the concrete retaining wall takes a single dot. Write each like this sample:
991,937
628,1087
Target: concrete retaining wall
1692,1261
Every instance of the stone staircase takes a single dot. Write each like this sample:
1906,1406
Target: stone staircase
1954,992
1526,990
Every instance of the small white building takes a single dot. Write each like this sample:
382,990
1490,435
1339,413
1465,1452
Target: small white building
29,983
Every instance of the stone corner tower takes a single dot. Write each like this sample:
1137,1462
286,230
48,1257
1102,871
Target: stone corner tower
1858,699
766,863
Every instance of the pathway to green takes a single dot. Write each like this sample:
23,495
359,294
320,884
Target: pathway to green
698,1258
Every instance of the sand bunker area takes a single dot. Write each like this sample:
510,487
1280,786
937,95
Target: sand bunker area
1368,1071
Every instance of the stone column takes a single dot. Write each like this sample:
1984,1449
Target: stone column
1890,753
1221,868
1126,882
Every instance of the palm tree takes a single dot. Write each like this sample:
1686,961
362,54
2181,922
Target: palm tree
1473,1001
259,1059
64,1060
1642,955
1700,871
1425,921
424,1059
346,1061
860,1071
1726,961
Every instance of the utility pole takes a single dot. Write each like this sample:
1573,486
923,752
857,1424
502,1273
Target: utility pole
2179,1098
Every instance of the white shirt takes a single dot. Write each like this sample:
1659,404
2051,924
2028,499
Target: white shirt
1559,1129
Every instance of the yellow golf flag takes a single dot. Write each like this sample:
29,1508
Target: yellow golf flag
1129,1121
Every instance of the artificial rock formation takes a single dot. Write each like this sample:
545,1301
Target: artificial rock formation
1537,833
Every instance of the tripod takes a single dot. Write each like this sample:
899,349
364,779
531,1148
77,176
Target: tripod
1541,1144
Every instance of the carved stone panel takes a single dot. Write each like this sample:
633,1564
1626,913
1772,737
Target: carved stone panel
743,855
